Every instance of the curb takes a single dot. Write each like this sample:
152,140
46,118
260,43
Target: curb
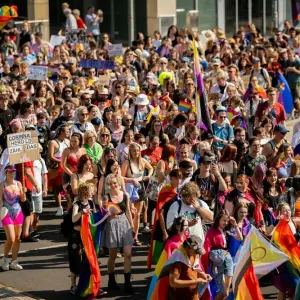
9,293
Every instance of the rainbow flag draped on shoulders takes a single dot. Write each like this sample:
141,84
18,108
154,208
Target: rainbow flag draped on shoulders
90,276
285,95
7,13
256,258
160,281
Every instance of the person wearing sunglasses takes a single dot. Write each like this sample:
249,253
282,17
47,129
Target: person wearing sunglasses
222,131
82,125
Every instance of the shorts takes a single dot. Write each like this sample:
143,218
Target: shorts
27,205
37,204
76,252
295,90
8,220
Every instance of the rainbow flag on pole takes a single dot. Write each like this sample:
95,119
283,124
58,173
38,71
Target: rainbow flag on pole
296,13
90,276
7,13
257,257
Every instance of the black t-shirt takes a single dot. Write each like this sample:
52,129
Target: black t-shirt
6,116
58,122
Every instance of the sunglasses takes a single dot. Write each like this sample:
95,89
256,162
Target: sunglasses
68,91
83,115
104,135
128,120
64,78
190,84
163,63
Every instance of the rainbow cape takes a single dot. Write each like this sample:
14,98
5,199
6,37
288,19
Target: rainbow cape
285,95
160,281
156,245
7,13
90,277
257,257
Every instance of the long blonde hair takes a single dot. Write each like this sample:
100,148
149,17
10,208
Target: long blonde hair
130,158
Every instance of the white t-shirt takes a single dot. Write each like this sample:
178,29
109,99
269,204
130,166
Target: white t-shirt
190,213
40,168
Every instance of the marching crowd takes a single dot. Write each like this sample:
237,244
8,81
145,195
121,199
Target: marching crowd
139,141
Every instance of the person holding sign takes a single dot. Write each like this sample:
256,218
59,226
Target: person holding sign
11,193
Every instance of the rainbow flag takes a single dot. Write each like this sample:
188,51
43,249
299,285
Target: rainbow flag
256,257
284,238
285,95
296,13
157,245
90,276
160,281
7,13
201,101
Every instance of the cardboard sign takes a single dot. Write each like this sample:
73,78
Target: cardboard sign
37,73
23,147
246,80
97,64
103,80
115,50
56,40
76,36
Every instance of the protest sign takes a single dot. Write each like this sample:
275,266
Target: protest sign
97,64
23,147
76,36
115,50
103,80
37,72
56,40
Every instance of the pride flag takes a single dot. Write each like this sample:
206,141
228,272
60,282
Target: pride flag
90,276
285,96
7,13
201,100
296,13
256,258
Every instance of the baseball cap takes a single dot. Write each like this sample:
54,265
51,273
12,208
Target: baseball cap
194,242
256,60
216,62
10,168
281,129
205,159
96,121
186,59
221,108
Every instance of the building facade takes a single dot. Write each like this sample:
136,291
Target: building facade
124,18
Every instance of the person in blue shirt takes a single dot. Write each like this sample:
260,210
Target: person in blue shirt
222,131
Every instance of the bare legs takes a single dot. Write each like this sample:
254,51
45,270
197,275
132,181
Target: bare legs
13,234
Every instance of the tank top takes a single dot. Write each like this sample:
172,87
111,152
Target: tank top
12,201
122,205
62,146
72,161
81,207
135,171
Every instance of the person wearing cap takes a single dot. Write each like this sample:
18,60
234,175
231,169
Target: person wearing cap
141,111
222,131
260,73
11,196
192,208
186,275
271,108
270,149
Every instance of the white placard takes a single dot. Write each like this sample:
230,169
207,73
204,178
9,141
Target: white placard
115,50
37,73
103,80
56,40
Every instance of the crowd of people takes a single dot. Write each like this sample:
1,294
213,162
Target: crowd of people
139,142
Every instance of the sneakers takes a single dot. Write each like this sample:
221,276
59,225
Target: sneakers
73,289
29,239
146,229
60,212
101,293
5,264
15,266
34,234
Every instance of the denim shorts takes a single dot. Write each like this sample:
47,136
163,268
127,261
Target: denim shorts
37,204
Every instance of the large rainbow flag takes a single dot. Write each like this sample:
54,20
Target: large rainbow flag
157,245
90,276
296,13
285,95
201,100
7,13
160,281
256,258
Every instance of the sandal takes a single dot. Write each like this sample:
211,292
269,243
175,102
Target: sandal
137,243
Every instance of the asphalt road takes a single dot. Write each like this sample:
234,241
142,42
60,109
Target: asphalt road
46,272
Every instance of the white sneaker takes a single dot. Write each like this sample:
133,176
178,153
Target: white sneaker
60,211
146,229
5,265
15,266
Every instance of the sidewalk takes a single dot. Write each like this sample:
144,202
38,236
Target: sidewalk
8,293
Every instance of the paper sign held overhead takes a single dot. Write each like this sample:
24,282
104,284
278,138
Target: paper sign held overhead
23,147
57,40
37,73
97,64
115,50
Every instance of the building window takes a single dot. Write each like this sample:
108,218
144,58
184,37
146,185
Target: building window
207,14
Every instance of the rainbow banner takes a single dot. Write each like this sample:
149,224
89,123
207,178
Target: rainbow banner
256,257
90,276
7,13
284,238
166,194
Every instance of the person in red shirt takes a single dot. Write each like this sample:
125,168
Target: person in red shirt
271,108
153,153
80,22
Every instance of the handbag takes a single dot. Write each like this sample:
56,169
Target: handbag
52,164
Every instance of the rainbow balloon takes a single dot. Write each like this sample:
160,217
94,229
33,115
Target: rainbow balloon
7,13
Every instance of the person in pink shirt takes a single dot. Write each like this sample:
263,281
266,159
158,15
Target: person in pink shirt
40,44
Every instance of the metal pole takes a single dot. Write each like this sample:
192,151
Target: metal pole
131,21
112,19
264,18
250,11
236,15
